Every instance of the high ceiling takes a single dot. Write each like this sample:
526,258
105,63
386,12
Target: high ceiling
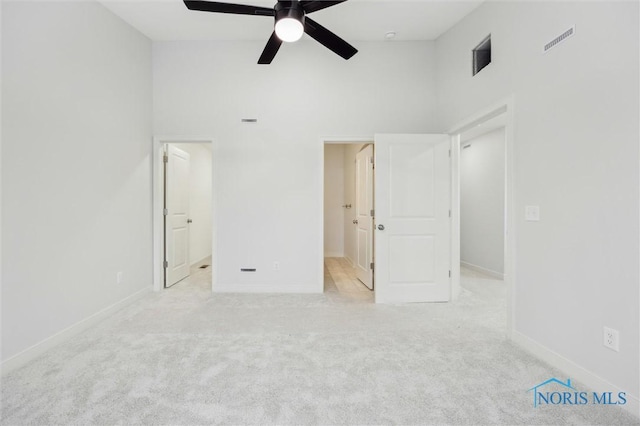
353,20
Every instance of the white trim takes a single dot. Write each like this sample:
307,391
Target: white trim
200,261
485,114
574,370
456,288
41,347
158,143
345,141
334,254
485,271
504,106
320,192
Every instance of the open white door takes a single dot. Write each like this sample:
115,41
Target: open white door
364,217
176,215
412,241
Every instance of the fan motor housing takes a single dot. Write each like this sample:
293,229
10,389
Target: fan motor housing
289,9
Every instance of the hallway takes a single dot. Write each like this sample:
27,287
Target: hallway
340,279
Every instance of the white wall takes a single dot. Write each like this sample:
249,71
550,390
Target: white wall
334,200
350,151
76,178
576,156
200,211
269,173
1,202
482,188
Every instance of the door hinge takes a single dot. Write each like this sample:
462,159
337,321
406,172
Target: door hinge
373,212
165,159
166,264
449,153
449,274
165,212
449,213
372,265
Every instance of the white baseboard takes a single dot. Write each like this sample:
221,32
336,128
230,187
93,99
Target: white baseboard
199,261
265,288
575,371
491,273
39,348
334,254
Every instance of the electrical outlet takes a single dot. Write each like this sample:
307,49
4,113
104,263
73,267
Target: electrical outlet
119,276
532,213
276,266
612,339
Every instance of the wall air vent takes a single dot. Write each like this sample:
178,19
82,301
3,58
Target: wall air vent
481,55
562,37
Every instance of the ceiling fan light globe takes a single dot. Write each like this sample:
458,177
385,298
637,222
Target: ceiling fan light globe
289,29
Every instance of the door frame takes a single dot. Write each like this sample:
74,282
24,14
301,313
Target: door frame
505,106
329,141
158,204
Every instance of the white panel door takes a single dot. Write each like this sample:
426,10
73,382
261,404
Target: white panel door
412,241
177,215
364,205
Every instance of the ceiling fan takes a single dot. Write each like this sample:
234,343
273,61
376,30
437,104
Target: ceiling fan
290,23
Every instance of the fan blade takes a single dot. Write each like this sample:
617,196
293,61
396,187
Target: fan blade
328,39
239,9
313,6
270,50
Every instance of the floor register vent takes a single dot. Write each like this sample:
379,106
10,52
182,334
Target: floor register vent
562,37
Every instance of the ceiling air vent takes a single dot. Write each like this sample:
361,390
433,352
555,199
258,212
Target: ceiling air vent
562,37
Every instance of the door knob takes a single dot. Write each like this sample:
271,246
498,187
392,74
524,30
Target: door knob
380,227
189,221
355,221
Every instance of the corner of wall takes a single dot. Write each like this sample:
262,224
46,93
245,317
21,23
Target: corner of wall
575,371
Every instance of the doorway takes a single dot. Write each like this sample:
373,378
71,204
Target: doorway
411,256
482,198
187,210
348,247
473,138
482,212
184,245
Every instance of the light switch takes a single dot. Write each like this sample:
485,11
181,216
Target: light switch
532,213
